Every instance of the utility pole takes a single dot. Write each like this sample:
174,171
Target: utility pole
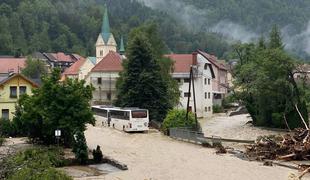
195,111
189,93
191,79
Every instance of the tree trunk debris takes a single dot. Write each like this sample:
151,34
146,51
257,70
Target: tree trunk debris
294,146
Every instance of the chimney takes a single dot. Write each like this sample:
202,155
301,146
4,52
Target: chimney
194,54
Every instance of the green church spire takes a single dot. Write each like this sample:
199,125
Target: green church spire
105,30
122,47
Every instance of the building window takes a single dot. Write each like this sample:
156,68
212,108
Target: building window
209,81
206,109
209,108
205,81
5,114
206,66
99,80
205,95
109,96
22,90
186,94
186,80
209,95
13,92
217,96
178,80
101,52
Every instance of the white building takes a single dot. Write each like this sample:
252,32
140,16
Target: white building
203,76
220,83
104,73
103,77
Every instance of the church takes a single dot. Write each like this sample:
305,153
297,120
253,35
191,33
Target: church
104,74
103,70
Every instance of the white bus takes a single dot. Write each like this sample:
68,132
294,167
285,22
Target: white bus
126,119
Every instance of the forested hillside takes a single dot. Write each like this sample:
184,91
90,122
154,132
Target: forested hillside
73,25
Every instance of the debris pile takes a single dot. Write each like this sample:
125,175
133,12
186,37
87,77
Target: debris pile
292,146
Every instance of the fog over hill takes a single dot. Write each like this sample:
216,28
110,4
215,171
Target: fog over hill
244,21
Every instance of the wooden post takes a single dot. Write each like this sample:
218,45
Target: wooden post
189,92
195,110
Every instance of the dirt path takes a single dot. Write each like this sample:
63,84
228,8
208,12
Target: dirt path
156,157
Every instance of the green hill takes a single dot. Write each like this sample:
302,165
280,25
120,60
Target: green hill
185,25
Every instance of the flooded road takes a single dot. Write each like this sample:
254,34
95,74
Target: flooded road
152,156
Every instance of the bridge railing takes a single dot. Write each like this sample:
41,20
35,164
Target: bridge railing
186,134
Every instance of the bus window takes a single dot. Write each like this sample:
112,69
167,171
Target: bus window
119,114
139,114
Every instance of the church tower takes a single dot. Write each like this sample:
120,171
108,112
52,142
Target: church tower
105,42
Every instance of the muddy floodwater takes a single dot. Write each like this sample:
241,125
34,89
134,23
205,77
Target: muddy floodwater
89,171
158,157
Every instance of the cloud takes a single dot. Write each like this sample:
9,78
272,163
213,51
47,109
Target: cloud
299,42
195,20
189,15
234,31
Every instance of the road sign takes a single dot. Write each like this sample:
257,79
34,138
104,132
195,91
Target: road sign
57,133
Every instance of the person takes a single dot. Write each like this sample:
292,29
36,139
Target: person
109,119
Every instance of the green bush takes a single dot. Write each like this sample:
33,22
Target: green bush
177,118
35,164
80,148
97,154
6,128
34,173
217,109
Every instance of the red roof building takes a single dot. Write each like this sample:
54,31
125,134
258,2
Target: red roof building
75,67
11,64
112,62
182,62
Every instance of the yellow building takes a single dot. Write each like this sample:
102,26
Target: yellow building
10,89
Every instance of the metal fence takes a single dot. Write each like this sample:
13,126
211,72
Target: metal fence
186,134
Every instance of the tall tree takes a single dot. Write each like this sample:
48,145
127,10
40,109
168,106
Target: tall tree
35,68
6,41
275,38
268,89
55,105
159,48
142,83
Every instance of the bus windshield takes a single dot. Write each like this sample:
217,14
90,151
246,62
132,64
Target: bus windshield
139,114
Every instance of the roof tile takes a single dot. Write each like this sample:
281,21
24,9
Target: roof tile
11,64
75,67
182,62
112,62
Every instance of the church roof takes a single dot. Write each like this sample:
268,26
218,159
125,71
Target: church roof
105,30
92,59
112,62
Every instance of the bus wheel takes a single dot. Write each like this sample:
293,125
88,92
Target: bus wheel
123,128
113,126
